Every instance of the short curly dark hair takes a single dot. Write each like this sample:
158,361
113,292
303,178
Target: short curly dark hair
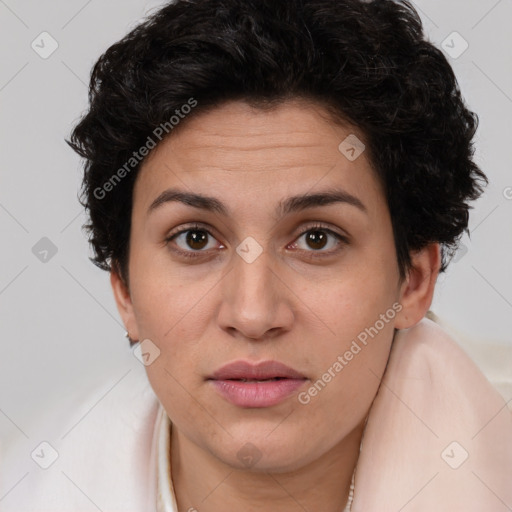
367,62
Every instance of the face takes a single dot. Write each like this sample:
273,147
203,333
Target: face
253,276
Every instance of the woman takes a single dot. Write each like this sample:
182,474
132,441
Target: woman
274,188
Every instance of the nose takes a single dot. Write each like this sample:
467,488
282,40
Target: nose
256,301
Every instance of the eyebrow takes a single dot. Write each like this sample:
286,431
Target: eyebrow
285,207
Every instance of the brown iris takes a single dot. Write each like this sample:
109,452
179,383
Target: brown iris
197,237
316,239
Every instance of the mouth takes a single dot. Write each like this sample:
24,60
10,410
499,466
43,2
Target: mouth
266,370
256,385
259,380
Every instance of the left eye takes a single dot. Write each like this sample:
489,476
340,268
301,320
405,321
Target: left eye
317,238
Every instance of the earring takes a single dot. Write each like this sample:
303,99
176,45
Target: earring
132,342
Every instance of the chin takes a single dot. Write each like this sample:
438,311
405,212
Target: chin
259,453
267,462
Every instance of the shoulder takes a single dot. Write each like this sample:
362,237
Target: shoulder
492,357
100,451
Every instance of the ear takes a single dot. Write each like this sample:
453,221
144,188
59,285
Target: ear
417,290
124,303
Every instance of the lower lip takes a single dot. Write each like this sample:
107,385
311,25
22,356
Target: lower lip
257,394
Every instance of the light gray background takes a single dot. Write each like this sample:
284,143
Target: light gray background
60,329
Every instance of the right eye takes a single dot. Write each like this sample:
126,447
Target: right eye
191,241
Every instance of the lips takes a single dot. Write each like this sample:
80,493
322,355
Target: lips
256,385
265,370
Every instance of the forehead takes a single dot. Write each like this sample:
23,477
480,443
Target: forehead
243,153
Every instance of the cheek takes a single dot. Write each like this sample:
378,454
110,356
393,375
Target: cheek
173,313
355,298
341,394
165,301
351,354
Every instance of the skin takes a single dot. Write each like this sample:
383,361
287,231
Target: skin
286,305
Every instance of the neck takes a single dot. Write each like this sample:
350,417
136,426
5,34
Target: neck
203,483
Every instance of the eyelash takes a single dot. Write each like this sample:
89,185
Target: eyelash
317,227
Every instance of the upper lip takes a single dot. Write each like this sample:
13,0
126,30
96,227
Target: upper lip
259,371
